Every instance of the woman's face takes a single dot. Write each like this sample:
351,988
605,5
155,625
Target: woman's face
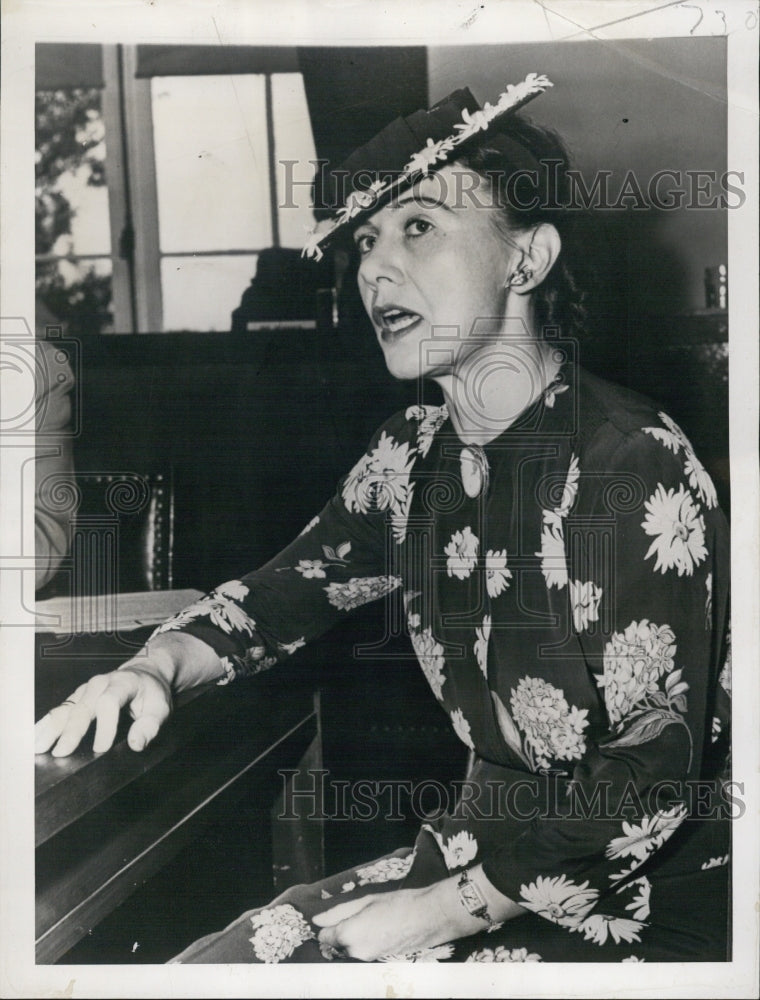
432,266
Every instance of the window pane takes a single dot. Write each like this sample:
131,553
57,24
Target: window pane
211,162
199,293
293,140
70,176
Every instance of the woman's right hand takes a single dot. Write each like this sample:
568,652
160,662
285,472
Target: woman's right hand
138,685
170,661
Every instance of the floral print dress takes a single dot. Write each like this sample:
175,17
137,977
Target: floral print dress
566,593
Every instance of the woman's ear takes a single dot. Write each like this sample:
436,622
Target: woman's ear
537,259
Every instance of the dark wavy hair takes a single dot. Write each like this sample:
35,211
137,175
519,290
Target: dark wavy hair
560,299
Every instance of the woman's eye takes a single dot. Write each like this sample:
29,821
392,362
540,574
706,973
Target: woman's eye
418,227
364,242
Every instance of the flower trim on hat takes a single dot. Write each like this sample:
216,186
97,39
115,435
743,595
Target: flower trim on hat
515,95
422,162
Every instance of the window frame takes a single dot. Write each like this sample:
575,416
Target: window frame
126,107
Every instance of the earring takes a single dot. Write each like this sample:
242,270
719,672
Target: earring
520,276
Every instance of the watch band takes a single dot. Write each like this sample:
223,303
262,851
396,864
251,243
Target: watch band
472,899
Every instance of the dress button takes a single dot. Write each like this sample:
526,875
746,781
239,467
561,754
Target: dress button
474,470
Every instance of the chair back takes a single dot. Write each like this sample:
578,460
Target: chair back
122,535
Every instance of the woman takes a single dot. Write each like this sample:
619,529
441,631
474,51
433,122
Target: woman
564,568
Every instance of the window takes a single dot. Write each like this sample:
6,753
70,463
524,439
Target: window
171,186
72,230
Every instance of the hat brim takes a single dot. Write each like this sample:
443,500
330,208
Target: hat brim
410,148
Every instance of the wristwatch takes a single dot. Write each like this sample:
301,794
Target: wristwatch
472,899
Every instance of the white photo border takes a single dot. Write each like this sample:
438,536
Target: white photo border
342,22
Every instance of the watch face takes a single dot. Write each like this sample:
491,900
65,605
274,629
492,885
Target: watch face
470,897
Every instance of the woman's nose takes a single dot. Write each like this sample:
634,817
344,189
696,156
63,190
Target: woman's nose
382,263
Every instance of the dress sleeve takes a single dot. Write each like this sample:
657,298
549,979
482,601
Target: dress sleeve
650,618
343,558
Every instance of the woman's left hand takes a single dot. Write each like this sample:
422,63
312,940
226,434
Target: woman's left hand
388,923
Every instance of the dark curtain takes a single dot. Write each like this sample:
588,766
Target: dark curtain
354,92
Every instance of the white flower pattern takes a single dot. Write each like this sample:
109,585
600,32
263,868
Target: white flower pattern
640,840
724,678
312,524
256,659
424,159
675,439
458,850
430,420
553,730
311,569
380,481
480,648
290,647
640,902
462,728
559,899
360,590
234,589
430,656
497,574
502,954
462,552
699,480
229,670
624,873
598,926
278,931
553,557
718,862
584,600
673,518
385,870
570,491
221,609
356,202
553,560
439,953
634,662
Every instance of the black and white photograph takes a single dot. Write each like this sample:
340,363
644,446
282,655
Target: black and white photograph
380,481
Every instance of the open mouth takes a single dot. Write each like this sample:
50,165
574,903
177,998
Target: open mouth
393,320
